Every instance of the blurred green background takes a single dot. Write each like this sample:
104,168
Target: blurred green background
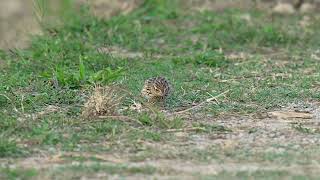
17,17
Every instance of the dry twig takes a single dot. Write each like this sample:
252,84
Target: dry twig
185,129
202,103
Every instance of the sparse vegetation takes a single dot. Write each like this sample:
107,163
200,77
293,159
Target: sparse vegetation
236,68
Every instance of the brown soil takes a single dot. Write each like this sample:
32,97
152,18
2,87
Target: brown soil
18,22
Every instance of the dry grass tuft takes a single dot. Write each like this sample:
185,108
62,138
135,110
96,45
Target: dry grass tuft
104,101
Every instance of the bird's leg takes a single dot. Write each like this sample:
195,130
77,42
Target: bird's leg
162,102
159,101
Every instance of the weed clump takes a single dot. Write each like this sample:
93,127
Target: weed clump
104,101
9,148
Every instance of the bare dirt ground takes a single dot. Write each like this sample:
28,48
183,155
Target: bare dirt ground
17,20
16,23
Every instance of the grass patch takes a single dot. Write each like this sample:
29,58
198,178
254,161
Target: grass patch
159,121
261,174
11,174
9,148
303,129
82,170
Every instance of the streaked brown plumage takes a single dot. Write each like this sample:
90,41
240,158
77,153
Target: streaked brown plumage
156,89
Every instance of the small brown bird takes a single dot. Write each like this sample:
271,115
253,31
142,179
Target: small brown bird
156,89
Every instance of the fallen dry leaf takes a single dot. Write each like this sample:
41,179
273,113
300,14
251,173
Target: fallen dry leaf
136,106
